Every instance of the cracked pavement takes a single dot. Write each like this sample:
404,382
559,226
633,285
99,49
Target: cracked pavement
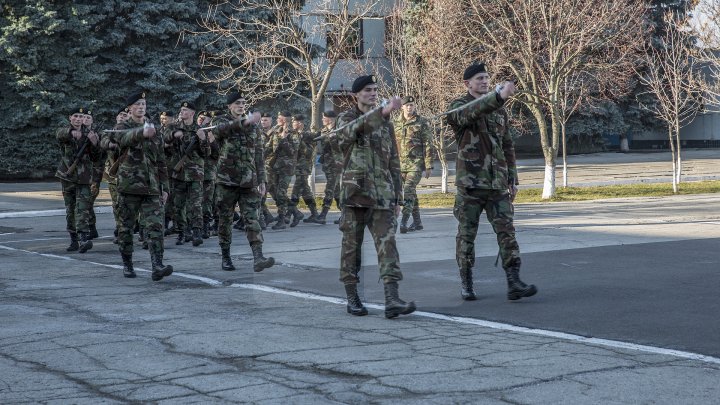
75,331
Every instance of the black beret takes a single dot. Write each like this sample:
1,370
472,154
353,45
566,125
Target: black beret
363,81
131,99
299,117
188,104
284,113
473,69
203,112
408,99
79,110
266,115
122,110
234,96
88,112
164,114
330,114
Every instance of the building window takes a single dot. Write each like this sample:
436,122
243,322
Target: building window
352,45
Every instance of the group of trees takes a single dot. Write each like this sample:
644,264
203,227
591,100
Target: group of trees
579,64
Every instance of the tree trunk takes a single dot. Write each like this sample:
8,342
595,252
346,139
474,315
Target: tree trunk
564,157
677,148
443,164
548,152
624,144
674,161
549,183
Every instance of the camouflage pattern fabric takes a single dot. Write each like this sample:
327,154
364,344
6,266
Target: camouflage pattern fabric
414,139
284,151
331,159
211,162
248,200
410,182
486,154
77,206
371,172
305,153
382,225
152,212
279,184
187,201
143,171
301,188
69,147
469,204
194,167
241,161
112,187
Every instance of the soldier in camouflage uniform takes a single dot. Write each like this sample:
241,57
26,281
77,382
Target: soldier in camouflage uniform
97,174
331,159
211,161
283,150
76,182
142,186
265,217
413,137
486,178
166,125
112,150
240,179
370,194
188,179
303,169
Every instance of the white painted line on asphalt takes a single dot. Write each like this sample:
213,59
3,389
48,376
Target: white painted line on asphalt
8,233
458,319
49,213
45,239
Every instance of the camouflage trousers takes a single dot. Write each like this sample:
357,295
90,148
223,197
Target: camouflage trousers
469,204
410,182
332,185
130,206
112,187
301,188
170,206
208,206
382,225
188,204
248,200
77,206
94,192
279,185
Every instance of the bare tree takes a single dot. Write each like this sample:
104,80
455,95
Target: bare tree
707,30
543,43
671,75
273,47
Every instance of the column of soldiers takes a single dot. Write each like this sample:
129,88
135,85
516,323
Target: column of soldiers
372,162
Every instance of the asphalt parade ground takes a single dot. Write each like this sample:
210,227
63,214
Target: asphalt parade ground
626,312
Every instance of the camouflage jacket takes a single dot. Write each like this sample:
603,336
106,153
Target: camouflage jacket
142,170
371,164
486,154
241,162
194,167
306,153
172,150
268,145
284,152
414,139
211,161
331,157
69,147
112,157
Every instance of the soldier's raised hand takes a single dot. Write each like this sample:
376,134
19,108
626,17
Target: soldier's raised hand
93,137
177,134
393,104
76,133
149,131
507,90
201,134
252,118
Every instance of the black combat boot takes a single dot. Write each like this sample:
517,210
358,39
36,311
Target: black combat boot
128,269
417,223
261,221
196,237
403,223
159,270
74,246
141,234
227,263
260,262
145,244
206,230
394,306
180,238
93,232
322,218
296,217
280,222
354,305
85,243
516,288
188,235
313,212
466,292
269,218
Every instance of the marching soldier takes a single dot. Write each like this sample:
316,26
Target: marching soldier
142,183
97,174
370,194
211,160
266,127
112,150
79,149
331,159
414,137
188,175
303,169
283,149
166,125
240,179
486,177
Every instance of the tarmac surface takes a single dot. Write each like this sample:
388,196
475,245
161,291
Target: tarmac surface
626,311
